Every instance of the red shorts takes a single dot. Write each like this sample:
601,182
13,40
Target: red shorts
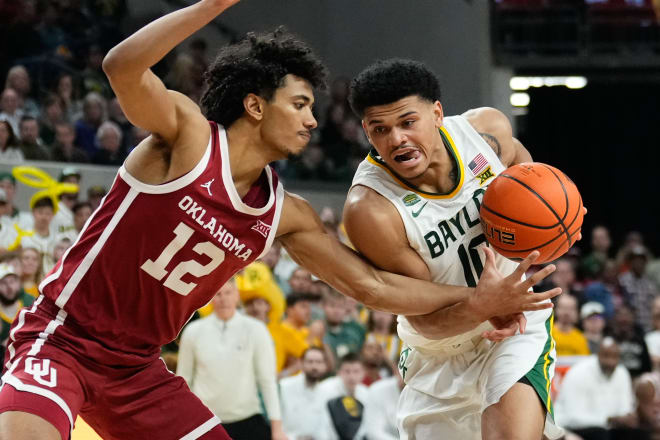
46,377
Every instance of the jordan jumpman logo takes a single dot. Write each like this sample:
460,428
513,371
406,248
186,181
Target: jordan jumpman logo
207,185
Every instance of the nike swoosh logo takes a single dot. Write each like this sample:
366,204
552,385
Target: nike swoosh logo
416,213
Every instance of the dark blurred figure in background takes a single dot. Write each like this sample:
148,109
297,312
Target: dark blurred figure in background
593,262
568,338
64,149
31,145
593,324
630,338
638,290
9,150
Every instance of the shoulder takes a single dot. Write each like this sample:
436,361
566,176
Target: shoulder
366,206
488,119
196,326
254,323
290,382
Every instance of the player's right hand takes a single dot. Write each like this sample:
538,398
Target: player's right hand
498,295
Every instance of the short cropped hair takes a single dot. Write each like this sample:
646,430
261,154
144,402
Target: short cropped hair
387,81
256,64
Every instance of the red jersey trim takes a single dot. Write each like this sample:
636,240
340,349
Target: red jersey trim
174,185
234,198
276,219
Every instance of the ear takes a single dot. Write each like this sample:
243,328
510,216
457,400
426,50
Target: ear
438,113
366,132
254,106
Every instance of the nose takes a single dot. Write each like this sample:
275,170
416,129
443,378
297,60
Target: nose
397,137
310,123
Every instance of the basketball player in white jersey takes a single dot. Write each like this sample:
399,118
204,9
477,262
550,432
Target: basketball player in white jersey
413,209
194,203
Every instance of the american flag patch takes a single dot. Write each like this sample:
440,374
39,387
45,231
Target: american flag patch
478,164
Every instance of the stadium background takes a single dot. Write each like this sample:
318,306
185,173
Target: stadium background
604,135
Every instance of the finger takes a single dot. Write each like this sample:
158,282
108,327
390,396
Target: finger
490,257
539,275
537,306
499,335
522,323
524,265
542,296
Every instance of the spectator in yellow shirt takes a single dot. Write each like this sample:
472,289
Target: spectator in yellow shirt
568,338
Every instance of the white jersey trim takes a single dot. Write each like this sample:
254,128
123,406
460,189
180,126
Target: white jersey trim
175,184
20,386
86,263
55,275
21,322
202,429
276,219
234,198
50,329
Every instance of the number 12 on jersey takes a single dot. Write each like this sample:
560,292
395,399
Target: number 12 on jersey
182,234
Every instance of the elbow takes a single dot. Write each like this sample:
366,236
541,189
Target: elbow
111,63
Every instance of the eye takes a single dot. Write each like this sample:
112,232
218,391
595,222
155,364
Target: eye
379,130
408,123
299,105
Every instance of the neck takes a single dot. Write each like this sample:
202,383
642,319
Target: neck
565,327
42,231
292,323
309,383
248,154
225,315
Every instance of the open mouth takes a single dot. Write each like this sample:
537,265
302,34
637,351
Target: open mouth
407,155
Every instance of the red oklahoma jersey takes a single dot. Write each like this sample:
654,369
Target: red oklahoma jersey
151,255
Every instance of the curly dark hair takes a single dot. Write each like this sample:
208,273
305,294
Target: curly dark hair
387,81
256,64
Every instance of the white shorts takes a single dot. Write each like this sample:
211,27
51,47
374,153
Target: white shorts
447,391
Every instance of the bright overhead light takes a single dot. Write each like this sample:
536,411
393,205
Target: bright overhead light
519,83
576,82
519,99
525,82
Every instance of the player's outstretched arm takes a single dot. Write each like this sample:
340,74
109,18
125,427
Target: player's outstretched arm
142,95
375,228
302,234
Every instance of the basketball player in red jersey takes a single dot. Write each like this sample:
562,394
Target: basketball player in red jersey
193,204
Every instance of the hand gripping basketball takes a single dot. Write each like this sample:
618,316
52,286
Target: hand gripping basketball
499,296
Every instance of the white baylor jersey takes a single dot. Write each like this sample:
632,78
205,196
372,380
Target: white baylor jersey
444,229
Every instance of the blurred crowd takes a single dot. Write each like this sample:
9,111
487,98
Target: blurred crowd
56,103
279,353
282,346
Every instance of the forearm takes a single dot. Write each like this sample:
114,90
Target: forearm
412,297
150,44
446,322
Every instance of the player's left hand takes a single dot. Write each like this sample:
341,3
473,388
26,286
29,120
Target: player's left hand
505,327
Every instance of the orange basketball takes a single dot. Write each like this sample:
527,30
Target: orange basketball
532,206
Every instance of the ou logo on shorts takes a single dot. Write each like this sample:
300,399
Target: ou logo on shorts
40,369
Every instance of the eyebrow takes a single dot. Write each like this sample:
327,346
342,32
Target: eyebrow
378,121
303,97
